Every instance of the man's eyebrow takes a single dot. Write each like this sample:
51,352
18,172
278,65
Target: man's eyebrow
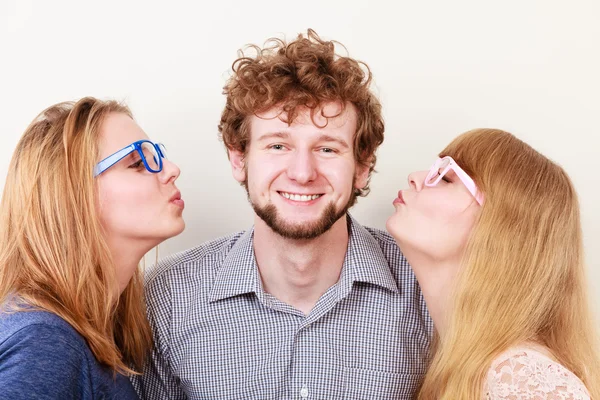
329,138
271,135
321,138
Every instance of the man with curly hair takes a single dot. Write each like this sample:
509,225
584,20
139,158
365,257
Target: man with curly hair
308,303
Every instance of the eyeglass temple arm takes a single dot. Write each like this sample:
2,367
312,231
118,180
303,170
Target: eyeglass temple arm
112,159
472,187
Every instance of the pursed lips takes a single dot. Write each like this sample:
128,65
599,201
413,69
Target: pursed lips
177,200
176,196
399,199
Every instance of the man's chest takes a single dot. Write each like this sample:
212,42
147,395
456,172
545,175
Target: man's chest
354,350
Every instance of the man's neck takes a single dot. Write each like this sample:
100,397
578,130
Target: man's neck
298,272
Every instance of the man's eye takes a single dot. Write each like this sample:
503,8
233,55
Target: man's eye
277,147
327,150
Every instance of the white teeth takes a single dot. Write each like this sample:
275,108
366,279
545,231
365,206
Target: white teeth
300,197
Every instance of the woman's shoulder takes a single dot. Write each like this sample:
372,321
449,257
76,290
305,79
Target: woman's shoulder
41,353
39,325
43,332
531,370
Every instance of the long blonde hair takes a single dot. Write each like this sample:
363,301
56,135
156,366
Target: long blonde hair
53,253
523,276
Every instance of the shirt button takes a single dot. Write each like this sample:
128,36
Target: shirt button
304,392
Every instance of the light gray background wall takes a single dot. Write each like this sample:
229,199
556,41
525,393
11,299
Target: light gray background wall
440,68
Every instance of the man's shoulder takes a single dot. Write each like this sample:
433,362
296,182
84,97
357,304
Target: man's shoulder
383,239
382,236
374,240
191,260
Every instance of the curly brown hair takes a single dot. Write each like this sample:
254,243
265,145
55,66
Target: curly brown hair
304,73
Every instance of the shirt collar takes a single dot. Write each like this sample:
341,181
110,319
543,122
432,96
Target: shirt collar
364,262
238,273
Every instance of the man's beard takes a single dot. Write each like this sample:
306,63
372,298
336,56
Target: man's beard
306,230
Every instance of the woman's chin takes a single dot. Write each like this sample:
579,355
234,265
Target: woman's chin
392,225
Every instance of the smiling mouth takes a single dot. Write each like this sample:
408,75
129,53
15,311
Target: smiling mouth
300,197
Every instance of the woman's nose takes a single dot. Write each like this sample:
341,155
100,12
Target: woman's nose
170,171
417,179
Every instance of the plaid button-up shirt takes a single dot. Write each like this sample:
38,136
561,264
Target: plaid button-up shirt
219,335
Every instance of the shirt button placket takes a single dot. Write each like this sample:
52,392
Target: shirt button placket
304,392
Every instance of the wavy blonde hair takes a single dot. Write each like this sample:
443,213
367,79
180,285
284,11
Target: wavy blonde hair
53,253
523,276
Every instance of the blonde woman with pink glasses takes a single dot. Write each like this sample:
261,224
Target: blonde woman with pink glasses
493,234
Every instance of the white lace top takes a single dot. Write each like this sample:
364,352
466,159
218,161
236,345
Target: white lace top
528,372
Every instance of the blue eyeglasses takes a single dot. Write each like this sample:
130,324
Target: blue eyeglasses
150,153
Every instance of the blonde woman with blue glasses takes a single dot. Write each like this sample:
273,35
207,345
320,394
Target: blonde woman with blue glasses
493,234
87,195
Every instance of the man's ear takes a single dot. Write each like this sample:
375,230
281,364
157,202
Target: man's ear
362,175
236,158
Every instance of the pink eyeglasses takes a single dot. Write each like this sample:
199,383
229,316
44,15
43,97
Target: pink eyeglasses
442,166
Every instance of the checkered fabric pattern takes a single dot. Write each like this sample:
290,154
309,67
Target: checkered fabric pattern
219,335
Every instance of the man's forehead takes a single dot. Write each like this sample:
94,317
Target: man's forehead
331,114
